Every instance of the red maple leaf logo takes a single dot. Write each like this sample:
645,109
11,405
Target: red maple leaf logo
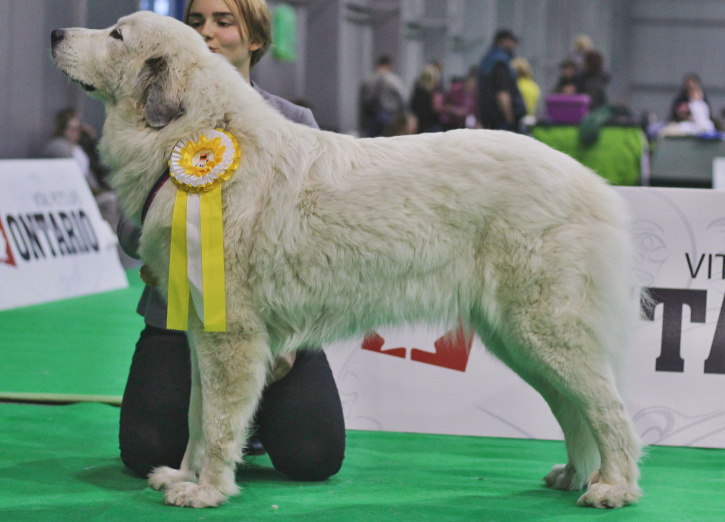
451,350
6,254
374,342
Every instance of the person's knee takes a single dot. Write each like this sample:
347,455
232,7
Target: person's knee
135,457
143,450
148,439
310,462
136,463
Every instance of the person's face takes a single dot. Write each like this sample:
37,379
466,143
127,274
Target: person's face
411,127
569,88
683,111
471,84
72,131
568,71
694,90
508,44
217,24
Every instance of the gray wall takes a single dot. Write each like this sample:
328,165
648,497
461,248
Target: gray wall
31,88
648,45
669,38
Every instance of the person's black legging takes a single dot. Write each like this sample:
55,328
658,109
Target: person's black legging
299,421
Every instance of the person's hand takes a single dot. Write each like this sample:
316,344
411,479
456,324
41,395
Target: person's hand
281,366
89,131
147,276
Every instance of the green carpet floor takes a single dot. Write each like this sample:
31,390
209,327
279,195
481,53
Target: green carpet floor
60,462
74,349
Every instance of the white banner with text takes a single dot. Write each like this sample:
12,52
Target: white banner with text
420,380
53,242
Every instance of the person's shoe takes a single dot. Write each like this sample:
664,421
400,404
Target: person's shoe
254,447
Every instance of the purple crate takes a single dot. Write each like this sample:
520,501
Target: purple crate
567,108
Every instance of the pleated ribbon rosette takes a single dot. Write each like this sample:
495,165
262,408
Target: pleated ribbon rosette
196,266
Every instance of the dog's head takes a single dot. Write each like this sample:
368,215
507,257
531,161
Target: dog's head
136,59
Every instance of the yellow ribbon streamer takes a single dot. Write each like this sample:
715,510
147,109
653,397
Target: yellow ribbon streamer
212,260
177,313
199,166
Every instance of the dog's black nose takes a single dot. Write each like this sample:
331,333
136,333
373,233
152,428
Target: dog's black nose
56,36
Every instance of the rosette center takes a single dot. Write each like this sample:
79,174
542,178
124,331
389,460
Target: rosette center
203,161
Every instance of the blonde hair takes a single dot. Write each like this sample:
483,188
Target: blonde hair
582,42
429,77
254,22
522,67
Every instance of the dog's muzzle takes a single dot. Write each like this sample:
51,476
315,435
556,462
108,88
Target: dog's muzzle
56,37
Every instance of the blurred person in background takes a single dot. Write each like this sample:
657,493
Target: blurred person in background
500,103
593,80
581,46
460,103
427,100
568,78
402,124
530,90
72,138
690,113
382,95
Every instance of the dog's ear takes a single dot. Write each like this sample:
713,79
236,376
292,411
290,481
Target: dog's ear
159,92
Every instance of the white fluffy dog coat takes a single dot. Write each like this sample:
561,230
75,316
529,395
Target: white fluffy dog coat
327,236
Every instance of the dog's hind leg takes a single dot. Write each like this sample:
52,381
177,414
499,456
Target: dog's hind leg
232,368
581,447
615,483
565,357
164,477
582,451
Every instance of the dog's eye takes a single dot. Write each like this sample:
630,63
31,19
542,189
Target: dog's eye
116,34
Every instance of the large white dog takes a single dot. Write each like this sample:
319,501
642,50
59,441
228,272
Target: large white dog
326,237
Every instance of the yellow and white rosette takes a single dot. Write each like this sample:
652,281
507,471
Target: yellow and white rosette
196,267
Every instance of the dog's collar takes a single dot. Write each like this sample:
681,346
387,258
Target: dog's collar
150,198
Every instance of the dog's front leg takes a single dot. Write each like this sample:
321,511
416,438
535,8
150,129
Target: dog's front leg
164,477
232,370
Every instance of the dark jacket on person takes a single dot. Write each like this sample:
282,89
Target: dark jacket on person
422,105
495,74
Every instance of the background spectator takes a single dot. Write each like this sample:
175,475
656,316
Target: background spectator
460,103
72,138
530,91
382,95
499,101
690,111
594,79
582,45
403,123
427,100
568,78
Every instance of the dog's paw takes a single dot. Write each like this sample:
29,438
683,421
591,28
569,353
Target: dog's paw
189,494
607,496
163,478
564,477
